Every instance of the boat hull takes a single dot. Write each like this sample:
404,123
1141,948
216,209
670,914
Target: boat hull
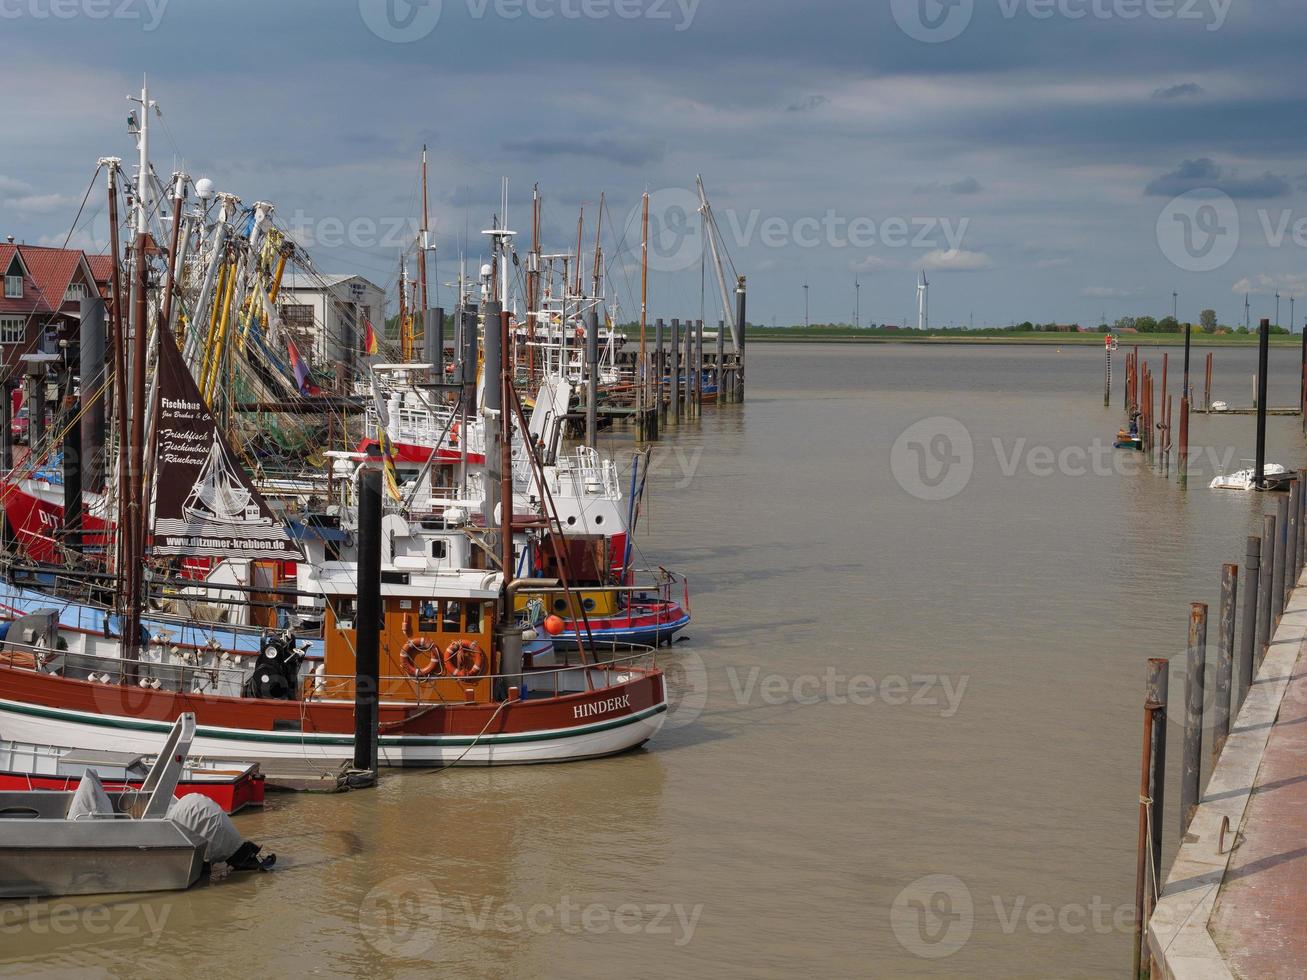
233,795
617,716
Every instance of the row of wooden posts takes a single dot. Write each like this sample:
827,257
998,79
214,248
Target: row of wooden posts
1273,564
678,364
1156,412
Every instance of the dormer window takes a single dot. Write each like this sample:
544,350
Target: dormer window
13,287
76,292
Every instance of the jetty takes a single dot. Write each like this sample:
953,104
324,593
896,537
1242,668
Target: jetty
1234,903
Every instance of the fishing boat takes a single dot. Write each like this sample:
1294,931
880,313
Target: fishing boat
47,767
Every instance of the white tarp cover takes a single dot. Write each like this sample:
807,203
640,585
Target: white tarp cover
200,815
90,800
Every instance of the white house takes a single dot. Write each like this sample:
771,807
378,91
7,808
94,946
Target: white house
326,314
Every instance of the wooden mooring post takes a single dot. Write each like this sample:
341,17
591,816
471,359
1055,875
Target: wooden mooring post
1224,658
673,409
1195,675
1152,789
1207,385
1281,555
1264,598
1243,674
1183,459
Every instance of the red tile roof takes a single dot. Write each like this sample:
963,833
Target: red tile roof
53,270
33,298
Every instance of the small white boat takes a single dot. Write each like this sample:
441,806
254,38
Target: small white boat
1274,477
1220,407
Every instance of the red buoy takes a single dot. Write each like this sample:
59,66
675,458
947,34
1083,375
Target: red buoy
554,626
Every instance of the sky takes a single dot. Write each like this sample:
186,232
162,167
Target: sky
1050,160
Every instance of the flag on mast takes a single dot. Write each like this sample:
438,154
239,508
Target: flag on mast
370,345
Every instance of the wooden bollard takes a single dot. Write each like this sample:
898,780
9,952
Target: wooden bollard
1207,385
1195,673
1302,524
1152,789
1292,540
1281,555
1224,658
1243,673
1264,604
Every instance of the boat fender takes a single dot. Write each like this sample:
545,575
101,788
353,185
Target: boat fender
464,659
408,658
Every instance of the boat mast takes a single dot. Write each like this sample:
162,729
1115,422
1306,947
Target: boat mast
533,283
423,245
404,345
643,386
134,495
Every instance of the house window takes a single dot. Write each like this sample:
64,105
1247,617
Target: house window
76,292
13,287
13,329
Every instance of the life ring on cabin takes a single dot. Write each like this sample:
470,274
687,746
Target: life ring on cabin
453,434
408,658
464,659
580,333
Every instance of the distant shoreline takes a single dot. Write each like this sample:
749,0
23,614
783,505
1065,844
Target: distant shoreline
761,335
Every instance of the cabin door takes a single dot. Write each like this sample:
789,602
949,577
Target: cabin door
263,598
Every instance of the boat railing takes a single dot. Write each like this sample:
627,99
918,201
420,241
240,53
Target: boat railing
571,677
183,672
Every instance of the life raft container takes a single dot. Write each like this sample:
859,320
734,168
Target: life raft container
408,658
464,659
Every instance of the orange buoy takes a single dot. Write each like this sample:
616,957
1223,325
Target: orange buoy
554,626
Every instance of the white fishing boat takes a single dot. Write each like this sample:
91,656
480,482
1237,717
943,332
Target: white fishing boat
1274,477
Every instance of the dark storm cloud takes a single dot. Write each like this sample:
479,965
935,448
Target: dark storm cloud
1181,91
808,104
625,152
1206,173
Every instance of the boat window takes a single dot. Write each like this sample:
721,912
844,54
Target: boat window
450,620
438,548
345,613
429,617
473,617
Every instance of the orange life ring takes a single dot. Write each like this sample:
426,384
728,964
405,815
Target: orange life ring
408,658
464,659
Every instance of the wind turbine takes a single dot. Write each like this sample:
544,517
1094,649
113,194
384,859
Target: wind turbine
923,302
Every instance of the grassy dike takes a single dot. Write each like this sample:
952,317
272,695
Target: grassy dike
836,335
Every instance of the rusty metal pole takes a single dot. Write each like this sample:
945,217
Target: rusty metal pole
1195,670
1166,437
1183,460
1243,674
1151,785
1264,598
1224,659
1281,554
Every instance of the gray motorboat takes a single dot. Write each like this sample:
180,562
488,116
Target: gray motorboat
92,842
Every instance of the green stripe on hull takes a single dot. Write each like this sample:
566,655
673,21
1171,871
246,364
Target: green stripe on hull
299,738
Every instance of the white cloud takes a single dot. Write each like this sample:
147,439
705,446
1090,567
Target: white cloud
956,260
1108,292
1286,284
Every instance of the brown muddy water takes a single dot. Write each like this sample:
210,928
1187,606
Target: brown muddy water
907,723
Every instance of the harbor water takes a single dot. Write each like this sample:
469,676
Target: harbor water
906,726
